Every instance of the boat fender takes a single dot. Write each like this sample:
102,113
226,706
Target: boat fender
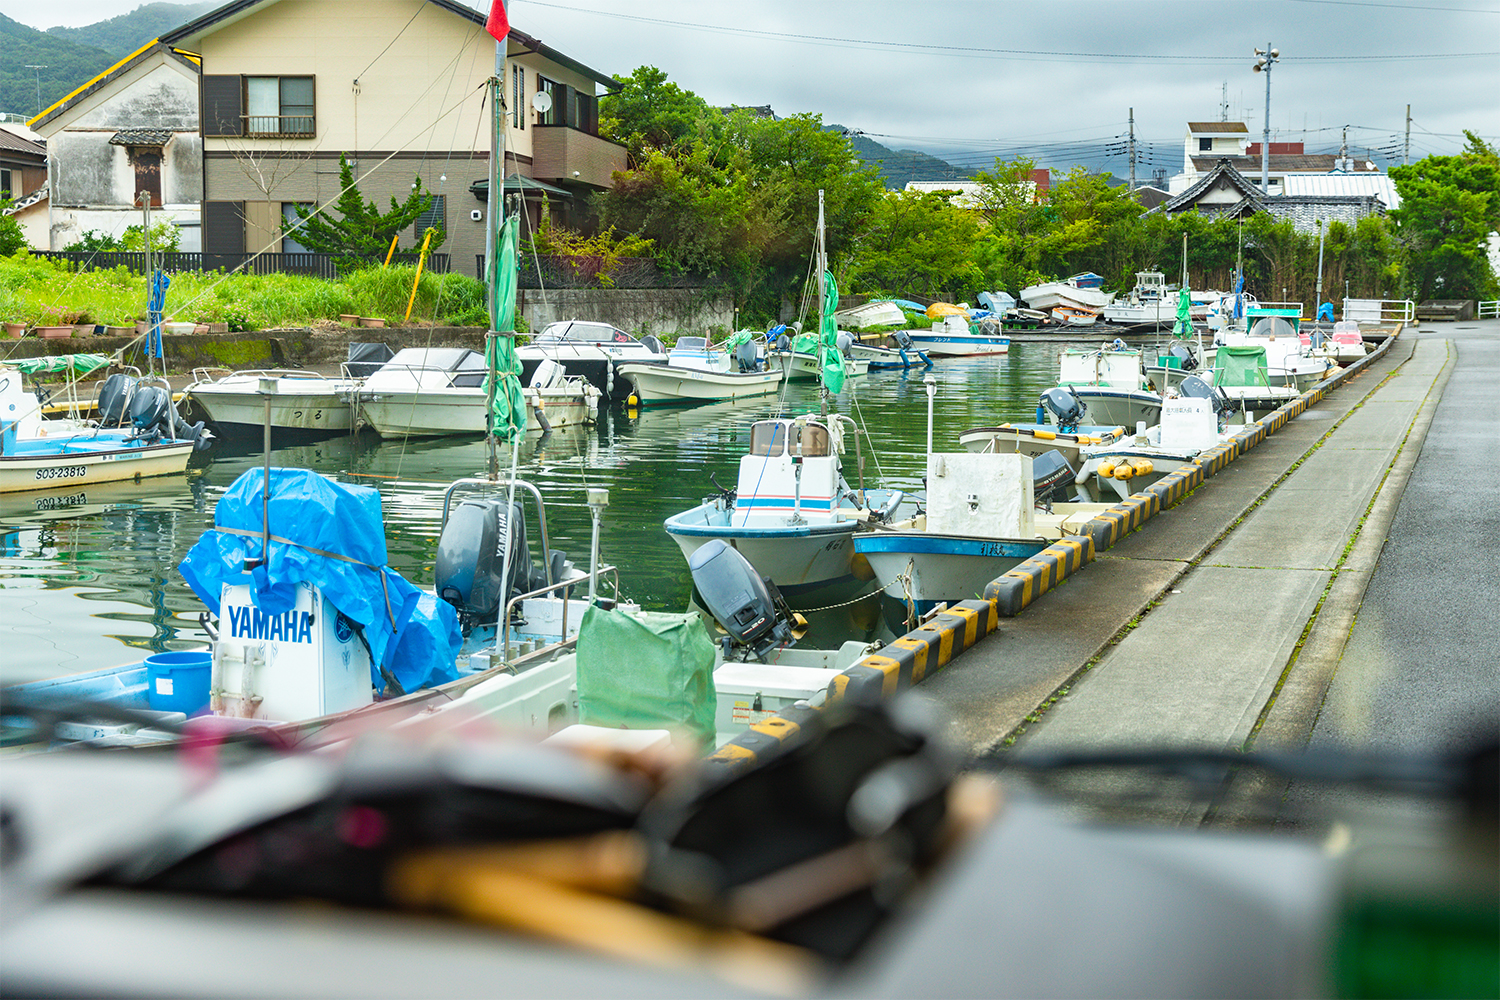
1106,470
541,417
1142,466
1041,414
632,401
1124,471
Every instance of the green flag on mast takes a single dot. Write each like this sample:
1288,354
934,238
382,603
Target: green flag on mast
829,358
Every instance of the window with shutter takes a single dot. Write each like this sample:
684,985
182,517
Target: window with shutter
553,115
223,232
221,105
435,217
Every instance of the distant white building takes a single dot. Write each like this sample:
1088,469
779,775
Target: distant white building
967,196
1207,143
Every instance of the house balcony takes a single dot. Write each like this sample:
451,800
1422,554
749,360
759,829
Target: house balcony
569,156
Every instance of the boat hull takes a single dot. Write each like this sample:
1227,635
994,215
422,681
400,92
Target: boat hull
233,410
959,346
1122,407
47,471
457,412
664,385
924,569
794,556
805,367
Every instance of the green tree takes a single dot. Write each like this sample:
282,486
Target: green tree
11,237
1449,206
361,234
649,112
917,244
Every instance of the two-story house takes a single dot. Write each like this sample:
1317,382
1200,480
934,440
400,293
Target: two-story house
1208,143
131,129
23,179
397,85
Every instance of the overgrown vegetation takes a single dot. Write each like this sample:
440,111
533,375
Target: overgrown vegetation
36,290
359,234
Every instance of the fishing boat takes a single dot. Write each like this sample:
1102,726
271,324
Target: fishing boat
1037,439
879,313
1241,372
588,350
138,435
799,356
1344,345
1149,304
953,337
984,514
1107,385
1073,315
438,391
1290,358
307,401
791,512
903,356
697,371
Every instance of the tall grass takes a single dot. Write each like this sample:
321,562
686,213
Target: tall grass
37,291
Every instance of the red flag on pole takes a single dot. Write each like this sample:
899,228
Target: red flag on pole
498,24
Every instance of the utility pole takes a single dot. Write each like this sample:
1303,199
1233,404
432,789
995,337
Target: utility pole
1318,295
1406,150
1224,102
1267,58
39,91
1132,151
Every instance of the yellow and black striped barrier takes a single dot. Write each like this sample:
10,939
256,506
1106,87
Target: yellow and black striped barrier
1043,571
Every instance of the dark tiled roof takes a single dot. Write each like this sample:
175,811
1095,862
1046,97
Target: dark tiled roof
141,137
1205,127
1310,162
1223,169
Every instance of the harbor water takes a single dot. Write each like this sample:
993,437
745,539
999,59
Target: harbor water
88,577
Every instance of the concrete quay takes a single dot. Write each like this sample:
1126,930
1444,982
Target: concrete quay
1334,585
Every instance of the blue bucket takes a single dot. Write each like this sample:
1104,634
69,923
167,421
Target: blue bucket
179,681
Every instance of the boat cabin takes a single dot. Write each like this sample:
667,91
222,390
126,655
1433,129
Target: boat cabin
429,368
572,331
791,471
1106,366
697,352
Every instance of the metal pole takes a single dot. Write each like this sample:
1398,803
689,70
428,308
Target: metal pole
153,330
598,500
1265,143
1318,295
1406,150
493,202
1132,151
930,384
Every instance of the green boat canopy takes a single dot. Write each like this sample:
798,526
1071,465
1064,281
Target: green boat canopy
77,364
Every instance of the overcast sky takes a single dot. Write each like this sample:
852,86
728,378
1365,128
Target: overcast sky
973,78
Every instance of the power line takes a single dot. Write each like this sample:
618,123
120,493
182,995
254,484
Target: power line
1399,6
980,52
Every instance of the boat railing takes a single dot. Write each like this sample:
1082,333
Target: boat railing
611,571
506,483
1263,304
264,372
1490,309
208,374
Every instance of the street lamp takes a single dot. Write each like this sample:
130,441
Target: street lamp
1265,59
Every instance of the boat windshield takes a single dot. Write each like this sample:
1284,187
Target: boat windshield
1273,327
814,442
584,333
768,438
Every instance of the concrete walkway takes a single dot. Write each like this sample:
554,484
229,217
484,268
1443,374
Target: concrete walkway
1221,624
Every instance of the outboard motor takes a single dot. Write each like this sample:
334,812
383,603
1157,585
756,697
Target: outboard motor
739,598
114,398
902,339
1181,352
151,413
1196,387
845,342
783,342
471,559
1051,475
748,356
1065,405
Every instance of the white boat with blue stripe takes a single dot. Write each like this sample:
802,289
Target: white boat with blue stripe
791,514
952,337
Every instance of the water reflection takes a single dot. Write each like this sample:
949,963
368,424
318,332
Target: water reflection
88,577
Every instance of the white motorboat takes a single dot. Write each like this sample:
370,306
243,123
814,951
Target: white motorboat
1194,417
696,371
1148,304
1075,315
871,314
981,520
590,350
1108,385
952,336
438,391
1344,345
1079,290
803,366
300,400
139,435
791,512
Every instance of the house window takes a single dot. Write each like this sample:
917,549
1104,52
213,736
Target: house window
6,191
1205,145
435,217
279,105
518,96
552,115
289,244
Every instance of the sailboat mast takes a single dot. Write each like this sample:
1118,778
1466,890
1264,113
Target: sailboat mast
494,203
822,305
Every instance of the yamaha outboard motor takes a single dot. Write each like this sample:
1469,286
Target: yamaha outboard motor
845,342
114,398
151,413
1195,387
471,559
1051,478
739,598
902,339
1065,406
748,356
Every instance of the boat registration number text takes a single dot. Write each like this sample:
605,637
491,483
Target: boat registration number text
62,472
55,503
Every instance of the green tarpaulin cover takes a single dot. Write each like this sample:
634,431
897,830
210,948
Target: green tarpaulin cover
831,360
80,364
507,416
646,670
1240,365
1183,328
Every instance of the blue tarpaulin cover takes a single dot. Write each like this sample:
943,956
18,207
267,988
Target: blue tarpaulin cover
331,535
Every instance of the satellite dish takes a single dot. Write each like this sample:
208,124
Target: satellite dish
542,102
